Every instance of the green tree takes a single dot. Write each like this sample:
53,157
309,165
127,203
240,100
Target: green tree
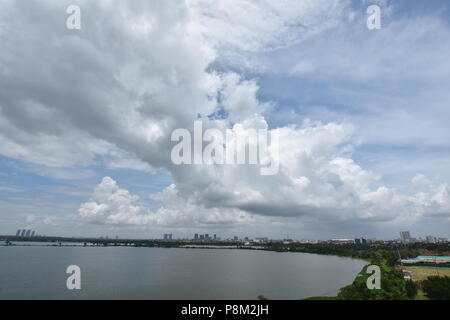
437,288
392,286
411,289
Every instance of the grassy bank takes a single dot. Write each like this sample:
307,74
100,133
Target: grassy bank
393,286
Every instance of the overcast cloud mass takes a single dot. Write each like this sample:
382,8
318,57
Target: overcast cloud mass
86,117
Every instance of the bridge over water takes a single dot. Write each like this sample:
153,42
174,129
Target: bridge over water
90,241
110,242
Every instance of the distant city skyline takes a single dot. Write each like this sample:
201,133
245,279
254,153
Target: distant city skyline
405,237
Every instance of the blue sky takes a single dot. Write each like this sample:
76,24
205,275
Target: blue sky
363,113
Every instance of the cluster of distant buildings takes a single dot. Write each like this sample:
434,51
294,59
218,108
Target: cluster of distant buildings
351,241
206,237
197,237
214,238
405,237
26,233
107,238
245,240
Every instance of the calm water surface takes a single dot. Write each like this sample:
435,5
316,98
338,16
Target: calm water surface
152,273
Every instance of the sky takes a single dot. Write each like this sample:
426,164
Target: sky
87,116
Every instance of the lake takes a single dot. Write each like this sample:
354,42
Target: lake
154,273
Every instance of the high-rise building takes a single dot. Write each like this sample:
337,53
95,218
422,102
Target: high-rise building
196,236
18,233
215,237
28,234
167,236
431,239
24,231
405,236
33,233
262,240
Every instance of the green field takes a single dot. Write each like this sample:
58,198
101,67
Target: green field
422,273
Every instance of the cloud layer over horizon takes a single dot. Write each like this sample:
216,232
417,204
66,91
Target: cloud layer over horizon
341,98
